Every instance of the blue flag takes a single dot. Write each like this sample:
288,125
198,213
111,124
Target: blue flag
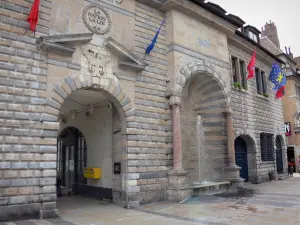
153,42
277,77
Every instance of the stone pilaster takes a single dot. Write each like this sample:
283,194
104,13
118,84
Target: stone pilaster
178,189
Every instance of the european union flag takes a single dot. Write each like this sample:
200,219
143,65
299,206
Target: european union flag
277,77
154,40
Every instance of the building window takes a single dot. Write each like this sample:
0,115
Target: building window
243,74
264,82
253,36
266,147
261,82
238,73
258,81
234,69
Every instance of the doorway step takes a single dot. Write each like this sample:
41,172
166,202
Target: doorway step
282,176
210,188
66,191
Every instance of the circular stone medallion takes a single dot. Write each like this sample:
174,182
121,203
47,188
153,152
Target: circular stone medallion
96,19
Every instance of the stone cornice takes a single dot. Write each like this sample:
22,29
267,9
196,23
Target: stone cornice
200,13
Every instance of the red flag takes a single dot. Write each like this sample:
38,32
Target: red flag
280,92
33,16
251,66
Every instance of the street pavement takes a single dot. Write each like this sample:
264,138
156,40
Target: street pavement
275,203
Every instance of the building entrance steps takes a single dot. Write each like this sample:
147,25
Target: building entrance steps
210,188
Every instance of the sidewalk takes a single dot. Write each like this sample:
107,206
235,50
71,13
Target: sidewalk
275,203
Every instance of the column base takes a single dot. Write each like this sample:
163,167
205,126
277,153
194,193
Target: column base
232,172
48,214
178,189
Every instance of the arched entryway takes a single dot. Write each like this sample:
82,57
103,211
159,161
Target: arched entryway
203,127
100,111
279,155
241,157
71,160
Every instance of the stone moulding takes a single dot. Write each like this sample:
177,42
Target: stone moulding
63,44
127,59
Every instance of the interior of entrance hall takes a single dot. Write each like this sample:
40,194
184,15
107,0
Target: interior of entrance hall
203,128
89,146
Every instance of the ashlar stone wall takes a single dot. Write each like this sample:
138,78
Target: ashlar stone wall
254,114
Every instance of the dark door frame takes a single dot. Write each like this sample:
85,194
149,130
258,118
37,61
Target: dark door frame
242,151
71,136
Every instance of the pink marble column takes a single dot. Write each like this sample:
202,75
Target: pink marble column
230,137
177,144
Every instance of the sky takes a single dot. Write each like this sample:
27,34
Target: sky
258,12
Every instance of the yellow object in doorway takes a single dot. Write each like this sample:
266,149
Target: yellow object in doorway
92,173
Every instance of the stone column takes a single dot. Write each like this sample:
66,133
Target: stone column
230,137
178,189
232,170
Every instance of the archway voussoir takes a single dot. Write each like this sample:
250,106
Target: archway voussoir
117,91
58,90
77,83
58,98
52,103
66,88
84,82
112,88
191,65
121,96
125,101
130,113
52,111
184,69
181,80
69,80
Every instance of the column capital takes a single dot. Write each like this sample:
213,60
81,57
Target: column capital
174,100
173,92
228,112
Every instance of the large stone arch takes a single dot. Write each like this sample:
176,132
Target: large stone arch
197,68
204,99
245,133
115,93
108,86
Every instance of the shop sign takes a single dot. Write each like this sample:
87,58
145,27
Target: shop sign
288,130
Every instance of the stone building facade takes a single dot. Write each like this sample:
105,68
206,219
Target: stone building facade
290,101
80,93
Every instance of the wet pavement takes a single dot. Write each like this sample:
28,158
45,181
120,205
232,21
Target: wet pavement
274,203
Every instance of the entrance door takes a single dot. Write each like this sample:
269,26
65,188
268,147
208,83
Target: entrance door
279,160
71,158
241,157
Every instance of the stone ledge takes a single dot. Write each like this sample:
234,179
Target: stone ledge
69,38
62,44
127,59
55,47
